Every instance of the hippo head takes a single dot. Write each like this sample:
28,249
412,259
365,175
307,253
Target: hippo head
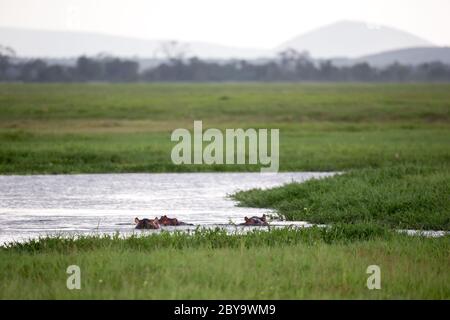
248,220
146,223
166,221
256,221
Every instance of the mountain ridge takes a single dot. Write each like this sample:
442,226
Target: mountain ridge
352,39
409,56
90,43
59,44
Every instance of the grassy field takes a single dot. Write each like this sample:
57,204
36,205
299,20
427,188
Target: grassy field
290,264
126,128
390,141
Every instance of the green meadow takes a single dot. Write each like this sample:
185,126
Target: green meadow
79,128
281,264
390,142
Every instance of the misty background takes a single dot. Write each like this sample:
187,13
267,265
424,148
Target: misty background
198,40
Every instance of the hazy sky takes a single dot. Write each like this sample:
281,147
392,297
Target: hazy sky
246,23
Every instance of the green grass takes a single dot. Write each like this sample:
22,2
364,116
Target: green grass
76,128
415,197
213,239
391,142
291,264
319,147
245,103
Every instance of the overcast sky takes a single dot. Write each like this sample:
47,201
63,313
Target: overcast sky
245,23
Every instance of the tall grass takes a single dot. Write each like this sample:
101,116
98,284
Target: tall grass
204,238
290,264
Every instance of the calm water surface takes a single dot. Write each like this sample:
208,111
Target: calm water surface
36,205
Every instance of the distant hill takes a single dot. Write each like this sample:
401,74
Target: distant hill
56,44
412,56
345,42
353,39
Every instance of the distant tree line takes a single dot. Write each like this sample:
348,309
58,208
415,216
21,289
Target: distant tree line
289,65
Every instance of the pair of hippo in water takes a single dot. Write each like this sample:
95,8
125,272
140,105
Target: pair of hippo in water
156,223
166,221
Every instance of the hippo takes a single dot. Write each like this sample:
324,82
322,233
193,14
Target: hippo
166,221
146,223
255,221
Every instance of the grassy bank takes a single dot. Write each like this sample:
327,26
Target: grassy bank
290,264
411,196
